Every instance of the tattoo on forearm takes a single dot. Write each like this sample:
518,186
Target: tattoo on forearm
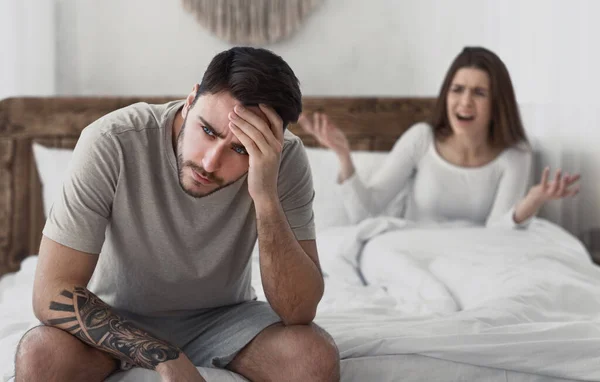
94,323
61,307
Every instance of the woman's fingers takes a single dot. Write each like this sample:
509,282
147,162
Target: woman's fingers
562,185
573,179
545,175
574,191
555,183
325,132
305,123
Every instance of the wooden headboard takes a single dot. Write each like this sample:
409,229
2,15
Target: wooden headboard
370,124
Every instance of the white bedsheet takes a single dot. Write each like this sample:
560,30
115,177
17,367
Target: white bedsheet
16,314
527,301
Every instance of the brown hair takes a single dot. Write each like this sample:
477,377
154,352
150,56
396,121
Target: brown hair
253,76
506,128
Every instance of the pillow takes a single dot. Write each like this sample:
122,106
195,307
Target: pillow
52,165
328,206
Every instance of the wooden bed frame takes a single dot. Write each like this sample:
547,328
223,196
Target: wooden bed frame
370,123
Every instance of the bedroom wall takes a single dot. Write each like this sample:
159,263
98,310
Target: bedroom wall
357,47
113,47
27,49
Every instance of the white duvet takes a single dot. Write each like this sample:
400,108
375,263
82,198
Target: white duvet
526,300
522,300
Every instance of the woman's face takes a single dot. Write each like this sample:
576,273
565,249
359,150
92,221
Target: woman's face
469,103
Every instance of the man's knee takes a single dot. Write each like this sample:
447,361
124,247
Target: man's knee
50,354
315,353
35,352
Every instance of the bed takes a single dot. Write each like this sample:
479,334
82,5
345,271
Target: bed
444,303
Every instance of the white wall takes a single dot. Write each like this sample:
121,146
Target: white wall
27,47
348,47
375,47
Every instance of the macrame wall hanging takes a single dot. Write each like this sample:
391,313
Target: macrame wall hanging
251,22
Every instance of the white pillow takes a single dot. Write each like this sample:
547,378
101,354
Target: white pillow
52,165
328,206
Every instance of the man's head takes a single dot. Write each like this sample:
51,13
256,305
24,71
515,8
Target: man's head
209,155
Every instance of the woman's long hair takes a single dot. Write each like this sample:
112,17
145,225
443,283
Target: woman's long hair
506,128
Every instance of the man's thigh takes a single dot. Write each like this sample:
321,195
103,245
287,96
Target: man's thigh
218,336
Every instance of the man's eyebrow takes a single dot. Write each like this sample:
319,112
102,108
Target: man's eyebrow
205,123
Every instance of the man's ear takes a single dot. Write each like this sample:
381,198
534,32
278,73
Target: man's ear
189,100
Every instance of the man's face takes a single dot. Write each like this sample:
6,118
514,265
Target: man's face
209,155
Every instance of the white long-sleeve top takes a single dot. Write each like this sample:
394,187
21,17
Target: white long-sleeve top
437,190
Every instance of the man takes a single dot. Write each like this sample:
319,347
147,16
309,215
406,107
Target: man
163,205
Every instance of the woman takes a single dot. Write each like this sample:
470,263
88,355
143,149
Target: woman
472,163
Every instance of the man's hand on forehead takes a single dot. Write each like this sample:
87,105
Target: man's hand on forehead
262,117
256,110
262,137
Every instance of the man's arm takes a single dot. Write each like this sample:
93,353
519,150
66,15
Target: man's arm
290,269
61,299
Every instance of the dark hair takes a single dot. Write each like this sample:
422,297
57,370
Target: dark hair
506,128
253,76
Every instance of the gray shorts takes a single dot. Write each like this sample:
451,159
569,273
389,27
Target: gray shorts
212,337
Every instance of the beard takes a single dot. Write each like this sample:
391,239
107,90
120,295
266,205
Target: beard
182,164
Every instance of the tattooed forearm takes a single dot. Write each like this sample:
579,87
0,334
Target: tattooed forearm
93,322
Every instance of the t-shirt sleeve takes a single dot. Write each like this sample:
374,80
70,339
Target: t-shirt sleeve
366,199
295,188
511,189
78,218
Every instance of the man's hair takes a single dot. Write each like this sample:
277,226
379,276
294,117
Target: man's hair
253,76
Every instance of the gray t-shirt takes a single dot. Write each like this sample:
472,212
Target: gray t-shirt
163,252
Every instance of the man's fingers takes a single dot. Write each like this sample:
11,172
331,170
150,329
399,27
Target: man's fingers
271,134
275,121
254,127
245,140
251,133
